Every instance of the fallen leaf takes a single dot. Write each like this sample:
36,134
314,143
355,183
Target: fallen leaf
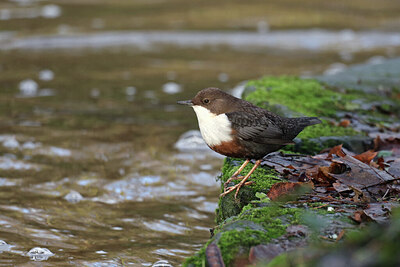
361,175
344,123
381,163
359,216
288,189
336,150
367,156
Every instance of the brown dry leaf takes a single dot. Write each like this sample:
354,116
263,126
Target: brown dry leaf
336,150
367,156
282,190
381,163
344,123
359,216
323,175
361,175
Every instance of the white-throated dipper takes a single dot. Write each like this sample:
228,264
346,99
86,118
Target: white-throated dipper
236,128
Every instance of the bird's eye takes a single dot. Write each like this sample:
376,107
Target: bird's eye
206,101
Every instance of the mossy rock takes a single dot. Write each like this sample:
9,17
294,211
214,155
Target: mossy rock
263,179
262,223
248,221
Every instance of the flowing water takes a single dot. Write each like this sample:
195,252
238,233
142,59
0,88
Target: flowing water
88,163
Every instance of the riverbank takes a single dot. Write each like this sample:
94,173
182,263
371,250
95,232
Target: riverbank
301,200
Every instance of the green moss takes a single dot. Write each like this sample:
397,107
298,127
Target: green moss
263,180
306,96
303,96
269,217
231,241
273,218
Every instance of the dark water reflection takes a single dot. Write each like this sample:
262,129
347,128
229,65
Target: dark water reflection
88,167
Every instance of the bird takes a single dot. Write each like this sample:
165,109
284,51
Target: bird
236,128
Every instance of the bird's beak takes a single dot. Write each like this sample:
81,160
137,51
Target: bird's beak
186,102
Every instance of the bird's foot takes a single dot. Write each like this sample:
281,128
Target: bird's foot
235,177
235,187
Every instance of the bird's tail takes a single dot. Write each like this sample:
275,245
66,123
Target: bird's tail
296,125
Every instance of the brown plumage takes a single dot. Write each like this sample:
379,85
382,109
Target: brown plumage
236,128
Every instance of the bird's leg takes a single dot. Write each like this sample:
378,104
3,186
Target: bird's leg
239,185
234,176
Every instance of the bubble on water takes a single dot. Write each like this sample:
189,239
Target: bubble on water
10,142
28,87
39,254
101,252
46,75
223,77
162,263
94,93
60,152
73,197
51,11
335,68
171,88
117,228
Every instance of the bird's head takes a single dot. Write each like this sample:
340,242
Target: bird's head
214,100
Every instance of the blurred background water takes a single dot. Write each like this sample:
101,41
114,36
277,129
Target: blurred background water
92,166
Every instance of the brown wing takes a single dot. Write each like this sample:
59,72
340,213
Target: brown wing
258,127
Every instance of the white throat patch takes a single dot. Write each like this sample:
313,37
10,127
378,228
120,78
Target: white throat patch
215,129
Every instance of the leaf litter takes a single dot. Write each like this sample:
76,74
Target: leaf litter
369,181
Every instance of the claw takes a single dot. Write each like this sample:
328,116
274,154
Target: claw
243,182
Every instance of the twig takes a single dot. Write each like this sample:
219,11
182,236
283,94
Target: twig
322,206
